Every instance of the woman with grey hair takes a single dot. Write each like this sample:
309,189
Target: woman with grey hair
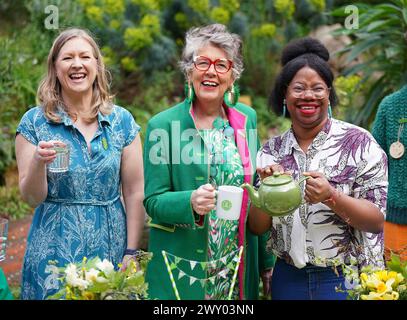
191,149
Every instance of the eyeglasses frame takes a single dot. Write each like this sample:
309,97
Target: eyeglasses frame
211,62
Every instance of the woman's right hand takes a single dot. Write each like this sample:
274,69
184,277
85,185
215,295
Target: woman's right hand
44,152
269,170
203,199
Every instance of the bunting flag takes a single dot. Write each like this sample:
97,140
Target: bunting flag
172,262
193,264
181,274
192,280
203,281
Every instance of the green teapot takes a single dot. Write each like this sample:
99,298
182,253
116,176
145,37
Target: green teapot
278,195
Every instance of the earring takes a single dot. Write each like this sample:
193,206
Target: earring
189,92
329,110
284,108
231,96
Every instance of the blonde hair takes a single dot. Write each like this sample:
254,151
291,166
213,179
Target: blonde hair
49,93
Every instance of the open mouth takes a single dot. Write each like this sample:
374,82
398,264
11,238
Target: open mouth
77,76
210,84
307,109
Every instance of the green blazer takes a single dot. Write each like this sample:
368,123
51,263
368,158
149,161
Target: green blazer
176,163
5,293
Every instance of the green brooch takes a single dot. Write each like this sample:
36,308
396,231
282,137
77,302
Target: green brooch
104,143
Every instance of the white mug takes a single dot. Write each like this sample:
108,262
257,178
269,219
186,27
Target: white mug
229,202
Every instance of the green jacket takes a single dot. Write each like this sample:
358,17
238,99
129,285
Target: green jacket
5,293
176,164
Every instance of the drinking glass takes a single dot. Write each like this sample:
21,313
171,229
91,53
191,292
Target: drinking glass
3,238
61,162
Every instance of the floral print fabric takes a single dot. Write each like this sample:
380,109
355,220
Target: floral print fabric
82,215
223,234
354,164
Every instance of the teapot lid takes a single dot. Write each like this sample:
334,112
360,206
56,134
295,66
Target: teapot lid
277,179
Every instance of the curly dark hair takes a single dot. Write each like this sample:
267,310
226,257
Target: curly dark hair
300,53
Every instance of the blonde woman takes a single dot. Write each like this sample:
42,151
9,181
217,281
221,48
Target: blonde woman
79,213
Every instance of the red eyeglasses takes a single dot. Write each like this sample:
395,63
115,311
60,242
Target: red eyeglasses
204,63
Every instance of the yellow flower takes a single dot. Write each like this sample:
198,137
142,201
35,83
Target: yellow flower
114,24
220,15
151,23
199,5
318,4
230,5
147,5
88,295
137,38
266,30
114,7
94,13
381,287
285,7
128,64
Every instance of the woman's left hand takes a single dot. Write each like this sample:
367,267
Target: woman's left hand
317,188
126,262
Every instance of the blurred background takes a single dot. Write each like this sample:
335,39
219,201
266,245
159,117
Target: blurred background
141,41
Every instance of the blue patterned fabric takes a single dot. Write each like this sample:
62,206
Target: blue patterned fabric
83,214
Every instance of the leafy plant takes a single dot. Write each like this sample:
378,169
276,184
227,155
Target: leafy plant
12,207
378,53
95,279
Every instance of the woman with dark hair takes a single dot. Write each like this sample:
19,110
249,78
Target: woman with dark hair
79,212
341,220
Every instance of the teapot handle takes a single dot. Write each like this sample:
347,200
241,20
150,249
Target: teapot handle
303,179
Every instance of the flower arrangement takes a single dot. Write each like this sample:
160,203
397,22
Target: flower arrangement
96,279
389,283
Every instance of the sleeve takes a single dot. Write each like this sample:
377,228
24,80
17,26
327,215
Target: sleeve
130,126
27,128
163,204
372,179
379,126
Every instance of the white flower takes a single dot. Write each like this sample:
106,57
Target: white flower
105,266
73,279
93,276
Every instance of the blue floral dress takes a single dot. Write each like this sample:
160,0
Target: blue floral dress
82,215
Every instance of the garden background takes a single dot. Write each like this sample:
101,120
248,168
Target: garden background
141,41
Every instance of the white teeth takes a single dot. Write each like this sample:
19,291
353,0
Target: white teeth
77,76
207,83
308,108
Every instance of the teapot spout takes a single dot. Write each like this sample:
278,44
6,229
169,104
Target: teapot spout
253,194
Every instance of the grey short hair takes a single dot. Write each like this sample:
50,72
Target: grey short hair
218,36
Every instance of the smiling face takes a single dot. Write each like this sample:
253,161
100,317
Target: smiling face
307,98
76,67
210,86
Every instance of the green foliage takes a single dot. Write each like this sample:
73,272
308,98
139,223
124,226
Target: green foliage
12,207
378,53
348,90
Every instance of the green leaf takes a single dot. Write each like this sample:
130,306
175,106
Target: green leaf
362,47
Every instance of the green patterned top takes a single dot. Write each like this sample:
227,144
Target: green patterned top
226,169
